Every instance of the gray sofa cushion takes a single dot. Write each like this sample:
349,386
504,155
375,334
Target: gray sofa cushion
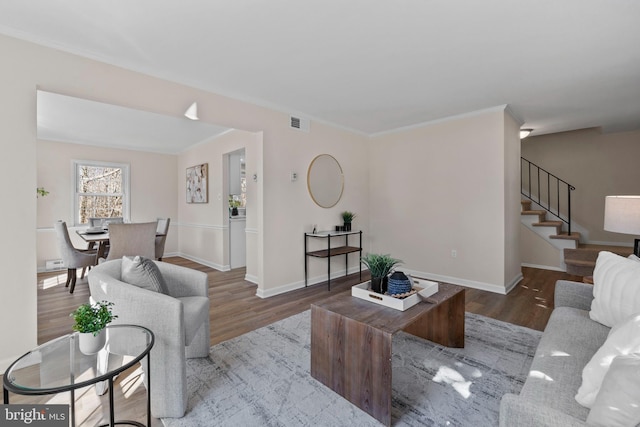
144,273
569,341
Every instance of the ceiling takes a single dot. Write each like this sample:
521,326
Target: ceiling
369,65
68,119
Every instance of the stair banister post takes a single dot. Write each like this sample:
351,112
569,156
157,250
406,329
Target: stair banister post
569,208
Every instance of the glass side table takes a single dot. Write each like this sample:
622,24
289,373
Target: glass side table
59,366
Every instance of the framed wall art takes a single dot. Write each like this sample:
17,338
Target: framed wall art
197,183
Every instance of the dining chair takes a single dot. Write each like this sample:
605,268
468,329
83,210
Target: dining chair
104,222
113,220
132,239
95,222
161,236
101,221
72,257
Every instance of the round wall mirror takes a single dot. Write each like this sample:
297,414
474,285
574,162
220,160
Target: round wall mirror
325,180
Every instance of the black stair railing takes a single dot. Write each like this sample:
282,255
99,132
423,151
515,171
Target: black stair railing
547,190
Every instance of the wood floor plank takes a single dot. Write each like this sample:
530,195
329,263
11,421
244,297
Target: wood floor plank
235,310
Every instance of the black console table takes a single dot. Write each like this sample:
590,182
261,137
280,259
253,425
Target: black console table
332,251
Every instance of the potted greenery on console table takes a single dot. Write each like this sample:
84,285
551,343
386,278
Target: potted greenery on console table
347,219
90,321
380,266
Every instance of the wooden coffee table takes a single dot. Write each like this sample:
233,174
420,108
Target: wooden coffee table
351,342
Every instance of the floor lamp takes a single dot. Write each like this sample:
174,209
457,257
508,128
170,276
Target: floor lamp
622,215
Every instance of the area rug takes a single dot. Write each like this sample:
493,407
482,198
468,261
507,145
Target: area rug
262,379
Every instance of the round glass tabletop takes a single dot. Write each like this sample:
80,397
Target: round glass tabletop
59,365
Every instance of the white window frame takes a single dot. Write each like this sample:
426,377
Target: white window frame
126,205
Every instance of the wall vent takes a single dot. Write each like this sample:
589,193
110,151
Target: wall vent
54,265
299,123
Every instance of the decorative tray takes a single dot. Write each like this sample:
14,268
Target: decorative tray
422,289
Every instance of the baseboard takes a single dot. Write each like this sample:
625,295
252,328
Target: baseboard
279,290
490,287
251,278
204,262
262,293
512,284
542,267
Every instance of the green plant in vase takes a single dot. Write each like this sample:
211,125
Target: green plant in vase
347,219
234,204
90,321
380,266
92,318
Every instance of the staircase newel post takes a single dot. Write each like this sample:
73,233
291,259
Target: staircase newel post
569,208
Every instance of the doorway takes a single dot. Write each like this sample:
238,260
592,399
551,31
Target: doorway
237,211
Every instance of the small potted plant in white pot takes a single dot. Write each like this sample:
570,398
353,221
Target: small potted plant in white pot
90,321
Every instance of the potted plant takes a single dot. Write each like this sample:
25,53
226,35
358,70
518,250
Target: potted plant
90,321
347,219
380,266
234,205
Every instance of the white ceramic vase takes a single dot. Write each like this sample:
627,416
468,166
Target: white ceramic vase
90,344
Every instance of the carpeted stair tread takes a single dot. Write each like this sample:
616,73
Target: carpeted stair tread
556,224
582,261
565,236
534,212
542,215
547,224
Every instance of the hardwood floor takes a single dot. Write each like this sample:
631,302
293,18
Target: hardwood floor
235,310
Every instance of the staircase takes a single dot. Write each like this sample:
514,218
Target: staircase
582,261
552,229
579,258
553,195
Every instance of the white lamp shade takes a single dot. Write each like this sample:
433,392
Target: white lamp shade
622,214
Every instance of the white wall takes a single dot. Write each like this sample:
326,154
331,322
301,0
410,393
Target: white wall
154,190
284,209
442,187
428,200
290,211
512,198
537,252
18,216
204,228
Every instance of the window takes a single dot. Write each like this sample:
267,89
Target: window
101,190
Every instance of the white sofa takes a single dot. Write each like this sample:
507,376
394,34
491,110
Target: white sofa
179,321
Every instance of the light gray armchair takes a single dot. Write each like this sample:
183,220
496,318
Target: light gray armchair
180,322
71,257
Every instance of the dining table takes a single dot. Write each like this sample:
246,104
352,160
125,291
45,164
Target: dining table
93,238
100,238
